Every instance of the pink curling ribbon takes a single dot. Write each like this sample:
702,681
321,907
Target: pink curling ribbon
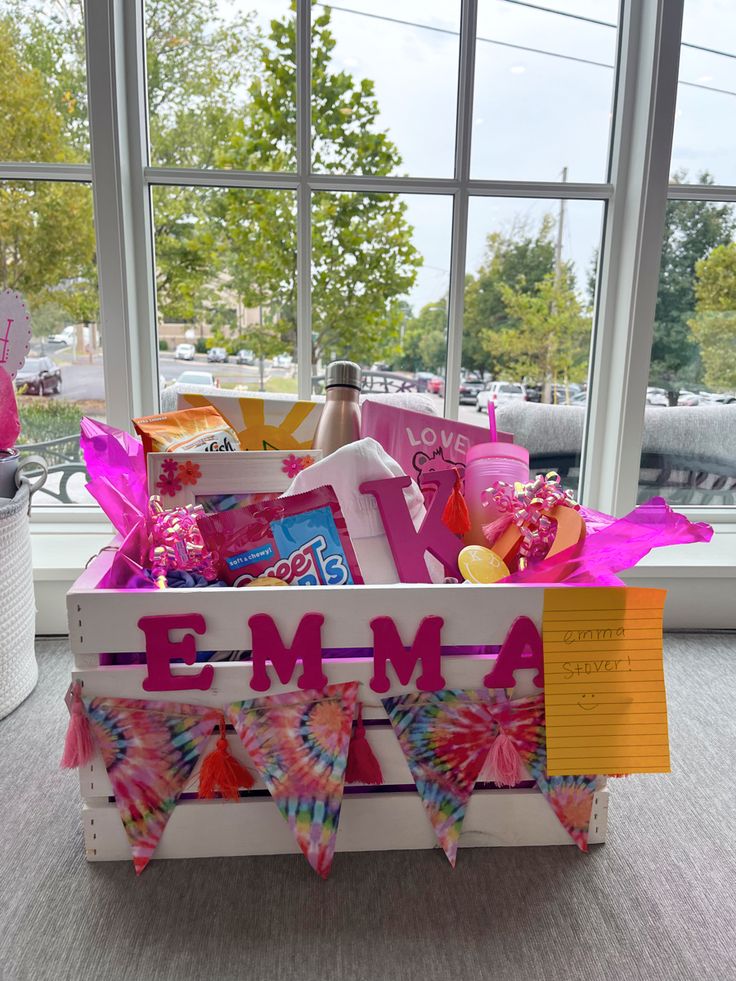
528,507
176,541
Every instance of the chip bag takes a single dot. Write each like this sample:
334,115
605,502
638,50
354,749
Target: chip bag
186,431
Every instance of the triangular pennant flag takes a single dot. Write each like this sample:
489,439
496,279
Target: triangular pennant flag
571,798
298,743
149,750
445,737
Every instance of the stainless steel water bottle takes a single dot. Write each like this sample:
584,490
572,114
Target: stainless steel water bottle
340,420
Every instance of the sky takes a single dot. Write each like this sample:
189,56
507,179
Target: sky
543,102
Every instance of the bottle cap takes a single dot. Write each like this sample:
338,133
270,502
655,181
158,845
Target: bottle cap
343,373
506,451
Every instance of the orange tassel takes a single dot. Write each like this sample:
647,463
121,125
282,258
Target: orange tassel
222,772
78,745
362,765
456,516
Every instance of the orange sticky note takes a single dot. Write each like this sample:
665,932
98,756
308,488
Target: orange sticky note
604,691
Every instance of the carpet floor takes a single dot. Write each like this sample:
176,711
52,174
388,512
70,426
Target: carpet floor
657,902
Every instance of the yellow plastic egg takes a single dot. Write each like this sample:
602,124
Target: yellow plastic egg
480,564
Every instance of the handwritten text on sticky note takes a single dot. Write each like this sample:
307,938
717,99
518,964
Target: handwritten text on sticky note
604,681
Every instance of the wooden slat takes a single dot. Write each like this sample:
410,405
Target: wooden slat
107,620
382,822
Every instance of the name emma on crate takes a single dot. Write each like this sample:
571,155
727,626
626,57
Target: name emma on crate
522,648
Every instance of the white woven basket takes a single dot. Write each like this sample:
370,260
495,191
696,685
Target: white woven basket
18,668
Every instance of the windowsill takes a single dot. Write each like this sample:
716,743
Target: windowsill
698,577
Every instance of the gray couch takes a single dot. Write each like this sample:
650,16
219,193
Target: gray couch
688,454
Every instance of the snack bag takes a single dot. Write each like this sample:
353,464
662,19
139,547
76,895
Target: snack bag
186,431
301,540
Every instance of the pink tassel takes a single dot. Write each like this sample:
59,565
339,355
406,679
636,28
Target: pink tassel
362,765
78,745
503,764
495,529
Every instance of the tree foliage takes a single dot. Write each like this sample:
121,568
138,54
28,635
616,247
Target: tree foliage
692,230
520,259
714,323
363,258
425,339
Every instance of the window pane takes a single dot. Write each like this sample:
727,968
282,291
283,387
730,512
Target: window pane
689,442
384,87
380,279
52,264
543,90
221,84
226,293
528,318
704,138
43,84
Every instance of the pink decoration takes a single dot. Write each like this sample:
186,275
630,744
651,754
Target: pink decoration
116,465
503,765
293,464
161,651
15,332
408,544
176,541
78,745
305,647
522,648
612,545
170,465
387,646
9,421
529,508
168,484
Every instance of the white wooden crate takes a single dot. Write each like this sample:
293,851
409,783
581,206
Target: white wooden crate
392,817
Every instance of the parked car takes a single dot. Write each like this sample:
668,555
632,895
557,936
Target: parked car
65,336
657,396
185,352
470,386
688,398
499,392
580,398
719,399
217,355
282,361
563,394
198,378
427,381
39,376
436,385
245,356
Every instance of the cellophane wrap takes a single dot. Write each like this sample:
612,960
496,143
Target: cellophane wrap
116,466
614,544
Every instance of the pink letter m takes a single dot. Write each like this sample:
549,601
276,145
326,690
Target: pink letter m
387,646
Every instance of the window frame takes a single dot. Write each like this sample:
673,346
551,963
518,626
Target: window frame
633,197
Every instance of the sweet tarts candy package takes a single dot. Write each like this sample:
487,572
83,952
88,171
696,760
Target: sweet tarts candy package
301,540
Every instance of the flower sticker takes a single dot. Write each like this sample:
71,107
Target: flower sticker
189,472
293,465
168,484
169,466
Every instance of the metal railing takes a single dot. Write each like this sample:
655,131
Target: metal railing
64,458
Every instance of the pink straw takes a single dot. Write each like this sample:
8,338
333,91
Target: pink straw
492,421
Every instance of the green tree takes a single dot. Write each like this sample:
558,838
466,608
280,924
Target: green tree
363,259
425,339
692,230
549,338
519,259
41,255
714,323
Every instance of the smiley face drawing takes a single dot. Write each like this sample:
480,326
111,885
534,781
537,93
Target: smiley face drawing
588,703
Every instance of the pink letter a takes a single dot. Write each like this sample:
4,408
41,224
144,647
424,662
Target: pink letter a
387,646
305,647
521,649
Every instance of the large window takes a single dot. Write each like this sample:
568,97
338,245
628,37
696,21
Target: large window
47,236
442,191
689,441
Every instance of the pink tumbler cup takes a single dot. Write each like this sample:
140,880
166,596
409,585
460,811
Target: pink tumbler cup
484,464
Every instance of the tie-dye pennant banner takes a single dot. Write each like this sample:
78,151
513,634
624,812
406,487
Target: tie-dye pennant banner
298,743
446,736
149,749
